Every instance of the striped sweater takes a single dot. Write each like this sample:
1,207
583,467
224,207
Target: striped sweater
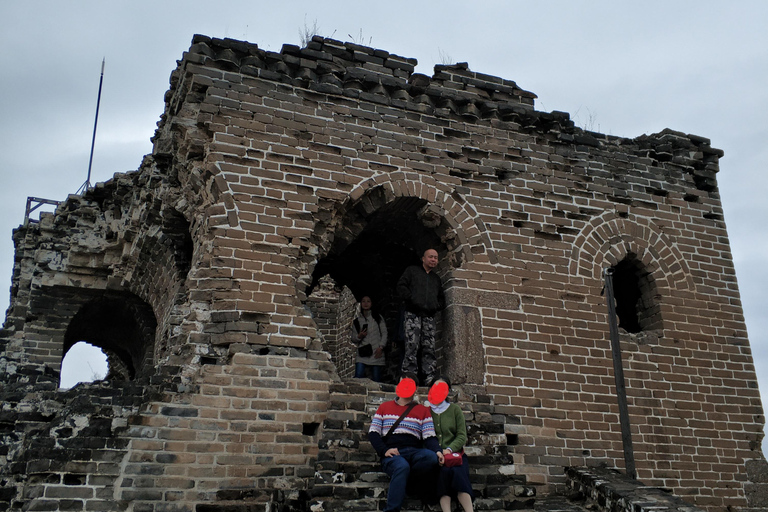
416,430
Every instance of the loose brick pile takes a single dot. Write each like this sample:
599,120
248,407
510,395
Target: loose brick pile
282,185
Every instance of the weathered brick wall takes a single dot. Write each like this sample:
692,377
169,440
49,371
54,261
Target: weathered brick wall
333,310
250,423
269,168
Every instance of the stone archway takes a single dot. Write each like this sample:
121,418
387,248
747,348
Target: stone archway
120,324
647,261
370,241
370,251
609,238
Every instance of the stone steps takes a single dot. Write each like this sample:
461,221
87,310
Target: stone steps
233,506
348,473
348,477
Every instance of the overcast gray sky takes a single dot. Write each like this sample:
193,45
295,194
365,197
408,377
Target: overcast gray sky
622,68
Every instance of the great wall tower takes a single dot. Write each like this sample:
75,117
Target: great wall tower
219,278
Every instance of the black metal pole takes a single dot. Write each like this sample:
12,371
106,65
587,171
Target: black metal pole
87,183
618,373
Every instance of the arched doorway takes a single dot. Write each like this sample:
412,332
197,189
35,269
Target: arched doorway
373,244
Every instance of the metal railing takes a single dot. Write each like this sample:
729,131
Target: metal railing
33,203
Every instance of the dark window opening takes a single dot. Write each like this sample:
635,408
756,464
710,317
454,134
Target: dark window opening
177,230
636,297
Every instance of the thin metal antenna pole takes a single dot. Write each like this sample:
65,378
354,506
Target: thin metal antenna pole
618,373
87,183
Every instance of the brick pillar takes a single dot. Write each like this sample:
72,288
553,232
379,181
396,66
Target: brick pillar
463,347
463,327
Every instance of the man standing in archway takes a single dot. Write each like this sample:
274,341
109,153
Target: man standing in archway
421,290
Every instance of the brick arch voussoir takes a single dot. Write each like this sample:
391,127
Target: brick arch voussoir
462,218
470,232
607,239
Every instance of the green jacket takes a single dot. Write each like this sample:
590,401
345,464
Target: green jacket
450,427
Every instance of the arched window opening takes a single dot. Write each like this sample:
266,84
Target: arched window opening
122,326
82,363
636,298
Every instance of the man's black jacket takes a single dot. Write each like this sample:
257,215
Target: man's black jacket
421,291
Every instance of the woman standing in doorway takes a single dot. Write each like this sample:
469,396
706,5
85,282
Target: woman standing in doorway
369,333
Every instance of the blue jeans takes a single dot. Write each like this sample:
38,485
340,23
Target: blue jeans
400,467
376,371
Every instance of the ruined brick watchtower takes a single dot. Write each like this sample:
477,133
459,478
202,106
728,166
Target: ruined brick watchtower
220,278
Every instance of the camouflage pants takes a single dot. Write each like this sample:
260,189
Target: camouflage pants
420,331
